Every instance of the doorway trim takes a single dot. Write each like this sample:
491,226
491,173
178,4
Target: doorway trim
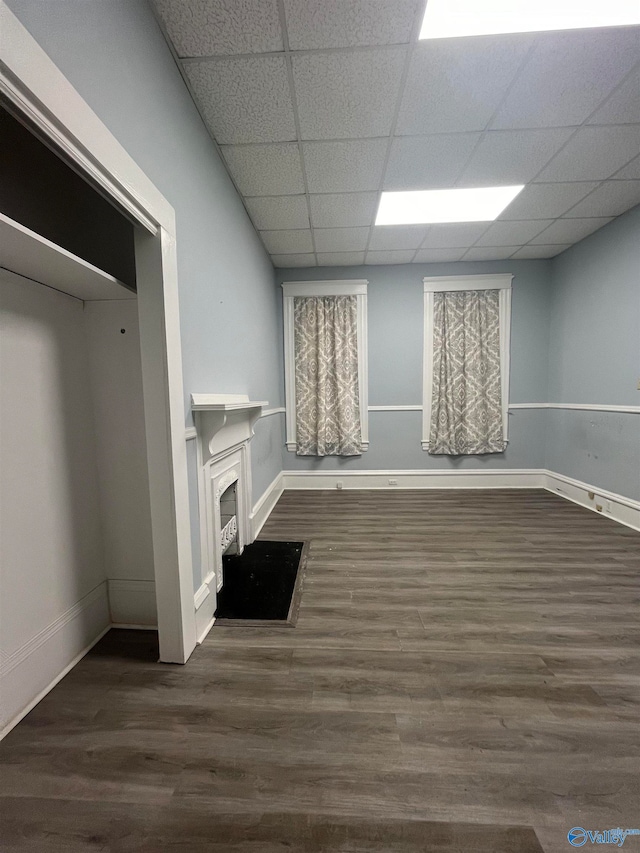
37,89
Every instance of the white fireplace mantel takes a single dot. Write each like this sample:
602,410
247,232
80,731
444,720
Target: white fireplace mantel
224,420
224,428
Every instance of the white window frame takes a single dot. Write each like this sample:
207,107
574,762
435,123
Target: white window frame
349,287
449,283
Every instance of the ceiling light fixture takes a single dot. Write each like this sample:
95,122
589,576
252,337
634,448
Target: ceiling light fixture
418,207
454,18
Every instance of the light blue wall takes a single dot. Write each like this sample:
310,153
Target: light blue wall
395,329
114,54
594,357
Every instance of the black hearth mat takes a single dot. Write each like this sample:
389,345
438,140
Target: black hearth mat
259,584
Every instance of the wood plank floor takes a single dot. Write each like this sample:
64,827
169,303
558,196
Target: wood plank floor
464,676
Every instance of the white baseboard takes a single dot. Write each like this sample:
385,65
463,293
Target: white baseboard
624,510
132,603
265,504
421,479
35,668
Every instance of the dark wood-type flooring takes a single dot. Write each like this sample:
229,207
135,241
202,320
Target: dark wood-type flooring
464,676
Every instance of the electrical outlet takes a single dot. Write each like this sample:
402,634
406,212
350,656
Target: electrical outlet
598,507
339,484
590,495
393,481
607,506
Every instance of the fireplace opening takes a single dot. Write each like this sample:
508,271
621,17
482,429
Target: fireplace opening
229,519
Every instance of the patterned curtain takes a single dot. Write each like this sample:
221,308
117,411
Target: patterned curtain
466,403
326,371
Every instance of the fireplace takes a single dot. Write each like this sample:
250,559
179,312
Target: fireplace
229,520
224,426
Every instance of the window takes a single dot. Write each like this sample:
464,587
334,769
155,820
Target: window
325,349
466,364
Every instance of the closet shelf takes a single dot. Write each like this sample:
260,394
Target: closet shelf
26,253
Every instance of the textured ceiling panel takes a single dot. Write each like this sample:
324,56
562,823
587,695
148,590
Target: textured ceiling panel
569,230
343,210
388,237
456,84
314,24
540,251
319,105
594,153
302,260
349,94
454,235
438,256
221,27
610,199
340,259
540,201
334,167
512,233
489,253
391,257
623,106
244,100
341,239
265,169
567,76
277,212
506,157
287,242
629,172
428,162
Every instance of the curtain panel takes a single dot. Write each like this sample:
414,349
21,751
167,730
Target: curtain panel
326,376
466,402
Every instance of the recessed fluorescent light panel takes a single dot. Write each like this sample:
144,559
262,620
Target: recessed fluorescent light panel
418,207
452,18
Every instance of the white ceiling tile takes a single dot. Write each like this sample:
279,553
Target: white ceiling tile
428,162
457,84
350,94
512,233
569,230
594,153
390,257
438,256
215,27
313,24
388,237
506,157
340,239
610,199
530,252
303,260
623,105
452,235
567,76
277,212
489,253
343,210
547,201
629,172
244,100
265,169
292,241
349,166
340,259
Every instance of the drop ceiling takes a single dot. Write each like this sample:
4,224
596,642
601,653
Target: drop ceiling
319,105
